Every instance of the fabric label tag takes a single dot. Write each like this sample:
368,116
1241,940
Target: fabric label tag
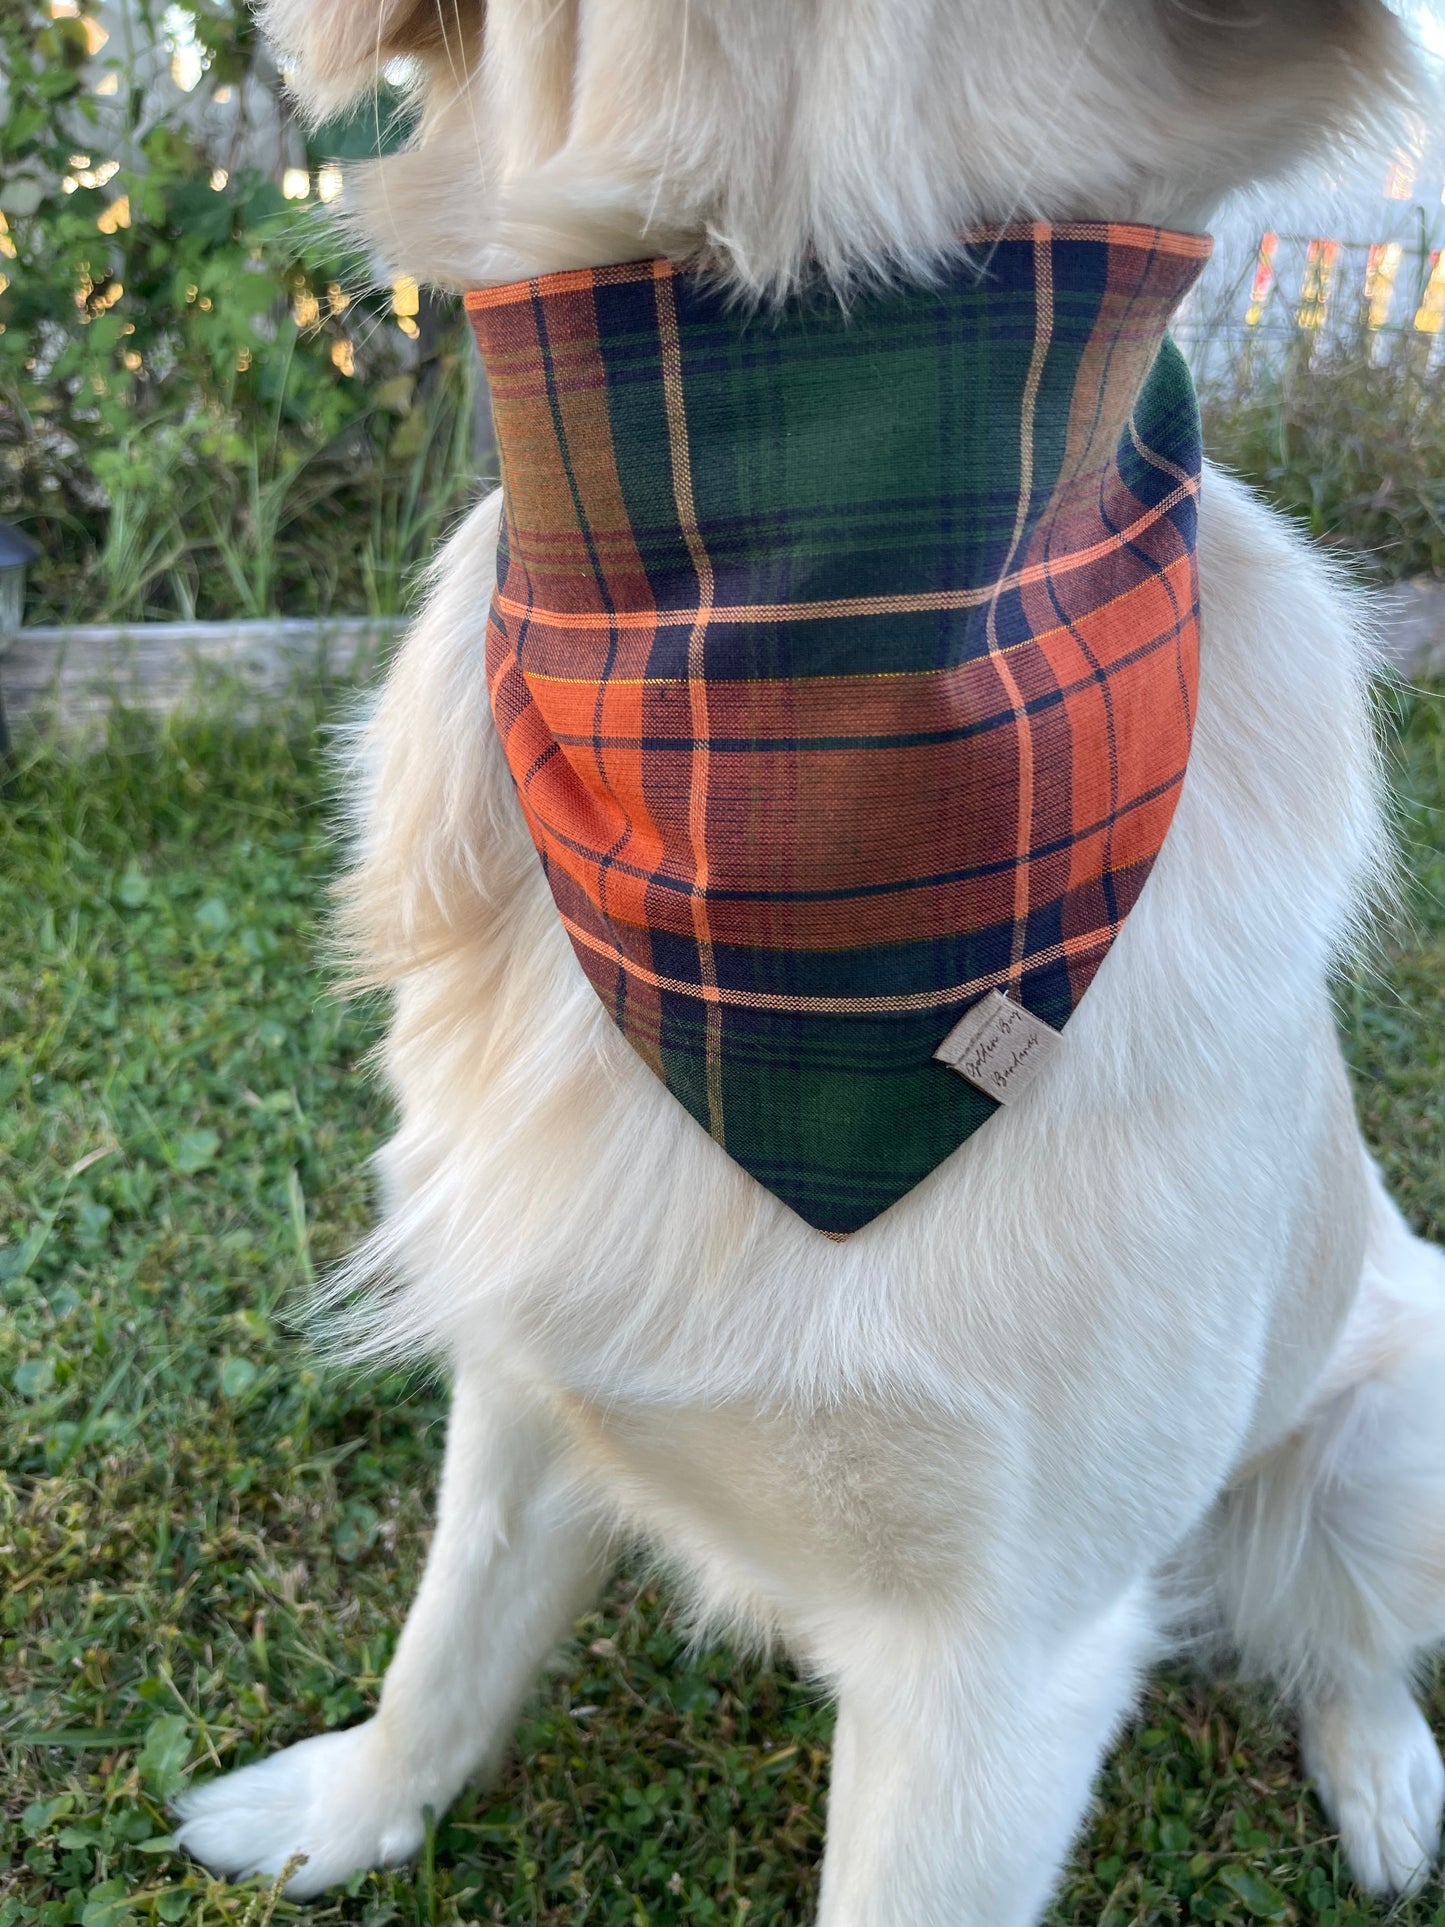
999,1046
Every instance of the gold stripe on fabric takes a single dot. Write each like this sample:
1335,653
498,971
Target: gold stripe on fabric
870,676
1023,842
714,994
1153,457
696,684
926,602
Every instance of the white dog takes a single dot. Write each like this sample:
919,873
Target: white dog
1157,1319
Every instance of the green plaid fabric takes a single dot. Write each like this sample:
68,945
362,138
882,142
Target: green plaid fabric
845,665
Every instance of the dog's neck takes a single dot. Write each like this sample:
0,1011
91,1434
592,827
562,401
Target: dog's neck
858,406
850,137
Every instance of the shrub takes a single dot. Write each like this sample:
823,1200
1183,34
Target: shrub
199,413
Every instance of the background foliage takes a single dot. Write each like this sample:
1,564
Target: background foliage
202,409
1349,441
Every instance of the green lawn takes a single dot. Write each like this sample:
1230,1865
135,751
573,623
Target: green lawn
208,1542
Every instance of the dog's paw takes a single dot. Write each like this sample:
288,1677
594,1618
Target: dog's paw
330,1799
1381,1780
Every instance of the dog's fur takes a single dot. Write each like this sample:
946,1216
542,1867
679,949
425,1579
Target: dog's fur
1157,1326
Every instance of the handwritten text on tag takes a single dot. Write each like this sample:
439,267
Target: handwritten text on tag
999,1046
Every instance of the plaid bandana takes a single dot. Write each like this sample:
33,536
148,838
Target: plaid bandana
845,664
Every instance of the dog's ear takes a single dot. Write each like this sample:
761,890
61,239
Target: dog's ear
338,49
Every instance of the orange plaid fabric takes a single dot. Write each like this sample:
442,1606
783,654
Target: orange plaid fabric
845,664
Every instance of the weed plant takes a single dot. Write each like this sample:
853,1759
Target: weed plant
1348,439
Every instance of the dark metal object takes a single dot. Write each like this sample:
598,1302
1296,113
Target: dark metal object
17,552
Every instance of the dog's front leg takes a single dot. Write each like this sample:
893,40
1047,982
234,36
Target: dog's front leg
515,1559
962,1768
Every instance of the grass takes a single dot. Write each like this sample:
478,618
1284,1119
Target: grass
207,1542
1348,438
